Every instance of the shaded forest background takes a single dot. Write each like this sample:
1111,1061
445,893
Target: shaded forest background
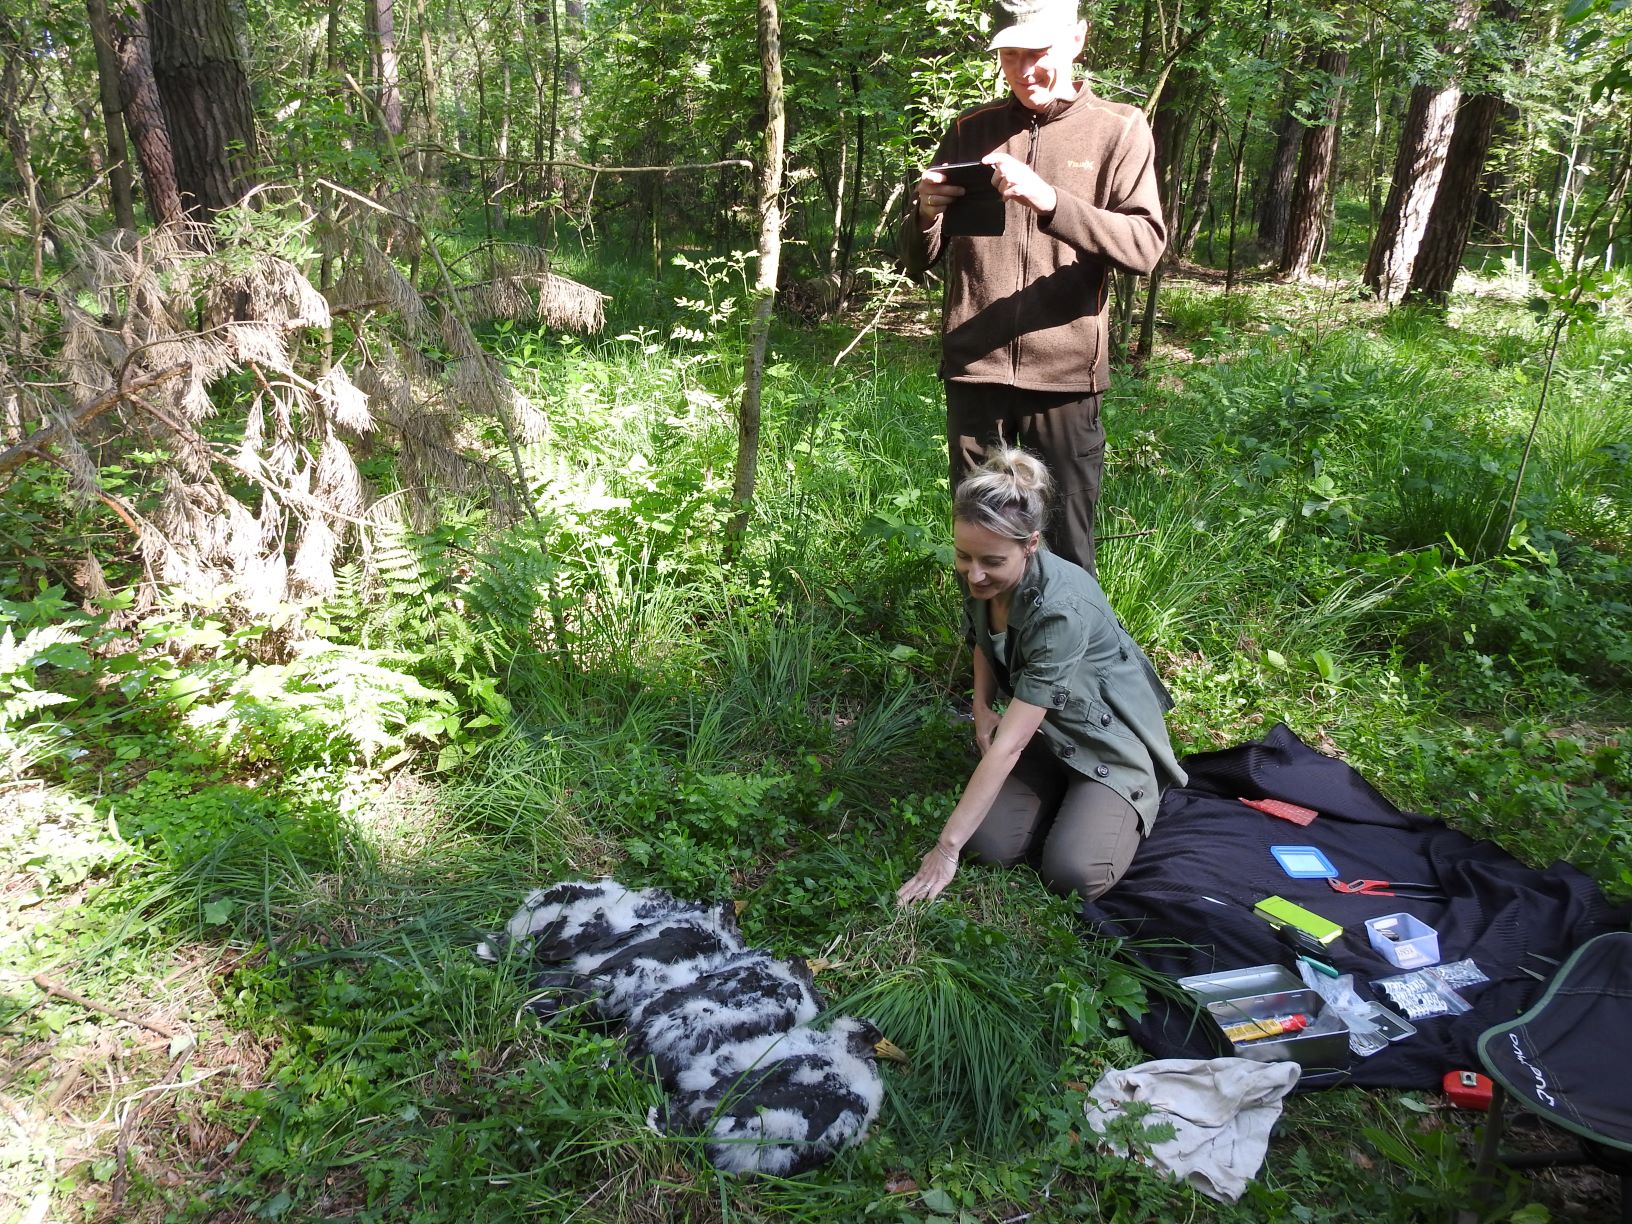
451,446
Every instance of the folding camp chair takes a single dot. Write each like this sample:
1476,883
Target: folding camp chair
1569,1060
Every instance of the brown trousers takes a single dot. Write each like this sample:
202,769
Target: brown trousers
1079,834
1062,428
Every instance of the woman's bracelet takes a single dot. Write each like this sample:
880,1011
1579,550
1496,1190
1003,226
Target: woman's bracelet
946,854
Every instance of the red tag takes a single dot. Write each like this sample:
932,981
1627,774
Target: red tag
1468,1089
1286,811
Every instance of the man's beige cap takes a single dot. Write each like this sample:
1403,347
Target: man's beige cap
1032,25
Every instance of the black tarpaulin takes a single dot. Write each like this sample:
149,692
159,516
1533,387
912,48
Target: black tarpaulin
1567,1057
1187,899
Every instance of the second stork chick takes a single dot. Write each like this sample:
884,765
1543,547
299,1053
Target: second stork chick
811,1095
746,1006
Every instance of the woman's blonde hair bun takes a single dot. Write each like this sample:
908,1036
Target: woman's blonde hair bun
1008,495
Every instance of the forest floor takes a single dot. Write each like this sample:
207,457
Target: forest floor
236,969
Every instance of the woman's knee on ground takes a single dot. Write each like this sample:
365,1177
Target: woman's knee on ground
995,845
1092,842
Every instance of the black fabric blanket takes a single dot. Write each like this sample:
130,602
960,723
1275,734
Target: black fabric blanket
1208,844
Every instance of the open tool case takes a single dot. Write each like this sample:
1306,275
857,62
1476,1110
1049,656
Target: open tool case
1262,992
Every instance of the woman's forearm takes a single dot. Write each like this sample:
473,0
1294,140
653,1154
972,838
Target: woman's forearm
1020,723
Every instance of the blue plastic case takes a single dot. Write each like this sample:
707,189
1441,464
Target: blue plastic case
1304,862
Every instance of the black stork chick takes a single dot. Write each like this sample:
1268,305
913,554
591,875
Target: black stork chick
744,1006
814,1094
566,919
671,953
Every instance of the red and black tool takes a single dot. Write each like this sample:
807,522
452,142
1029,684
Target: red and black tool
1389,888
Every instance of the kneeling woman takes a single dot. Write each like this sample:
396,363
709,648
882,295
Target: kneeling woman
1071,772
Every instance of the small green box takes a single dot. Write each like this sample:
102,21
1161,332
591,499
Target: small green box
1281,912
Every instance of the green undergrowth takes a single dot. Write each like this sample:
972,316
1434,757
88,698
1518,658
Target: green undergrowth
291,853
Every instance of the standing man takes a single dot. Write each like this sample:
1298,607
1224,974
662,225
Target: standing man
1024,346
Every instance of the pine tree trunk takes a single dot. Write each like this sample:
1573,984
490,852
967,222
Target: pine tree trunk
1419,160
1308,221
198,66
1425,138
1439,258
121,189
770,257
144,115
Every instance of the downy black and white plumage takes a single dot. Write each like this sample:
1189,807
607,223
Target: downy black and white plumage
672,953
750,998
724,1026
558,923
810,1095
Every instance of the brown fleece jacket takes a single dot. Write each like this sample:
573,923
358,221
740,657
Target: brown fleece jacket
1027,308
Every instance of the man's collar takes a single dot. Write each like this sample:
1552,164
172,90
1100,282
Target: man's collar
1057,108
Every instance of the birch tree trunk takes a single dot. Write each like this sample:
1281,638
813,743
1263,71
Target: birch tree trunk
382,29
770,258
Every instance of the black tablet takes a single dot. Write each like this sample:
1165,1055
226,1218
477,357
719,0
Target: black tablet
978,213
971,176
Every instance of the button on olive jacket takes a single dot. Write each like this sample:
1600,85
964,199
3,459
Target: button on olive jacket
1067,652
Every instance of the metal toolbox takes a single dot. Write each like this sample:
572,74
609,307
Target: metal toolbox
1260,992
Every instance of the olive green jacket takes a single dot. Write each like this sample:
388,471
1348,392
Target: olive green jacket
1067,652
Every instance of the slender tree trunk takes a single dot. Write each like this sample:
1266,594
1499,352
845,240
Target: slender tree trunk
1309,221
770,257
1494,184
427,165
121,189
382,29
144,115
12,94
1566,192
1275,194
1439,258
1201,191
199,68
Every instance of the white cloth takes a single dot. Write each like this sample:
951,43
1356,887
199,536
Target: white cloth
1221,1110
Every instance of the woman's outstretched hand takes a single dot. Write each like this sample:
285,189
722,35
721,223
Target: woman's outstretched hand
934,874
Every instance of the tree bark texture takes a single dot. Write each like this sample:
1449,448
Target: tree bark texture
1309,221
1275,194
1425,139
1419,159
770,258
1445,238
199,68
144,114
121,189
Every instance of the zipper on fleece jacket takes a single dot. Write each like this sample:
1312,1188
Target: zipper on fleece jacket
1025,250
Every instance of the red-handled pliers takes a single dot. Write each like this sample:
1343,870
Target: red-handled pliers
1389,888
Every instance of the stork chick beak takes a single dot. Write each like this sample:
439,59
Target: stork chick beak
885,1048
